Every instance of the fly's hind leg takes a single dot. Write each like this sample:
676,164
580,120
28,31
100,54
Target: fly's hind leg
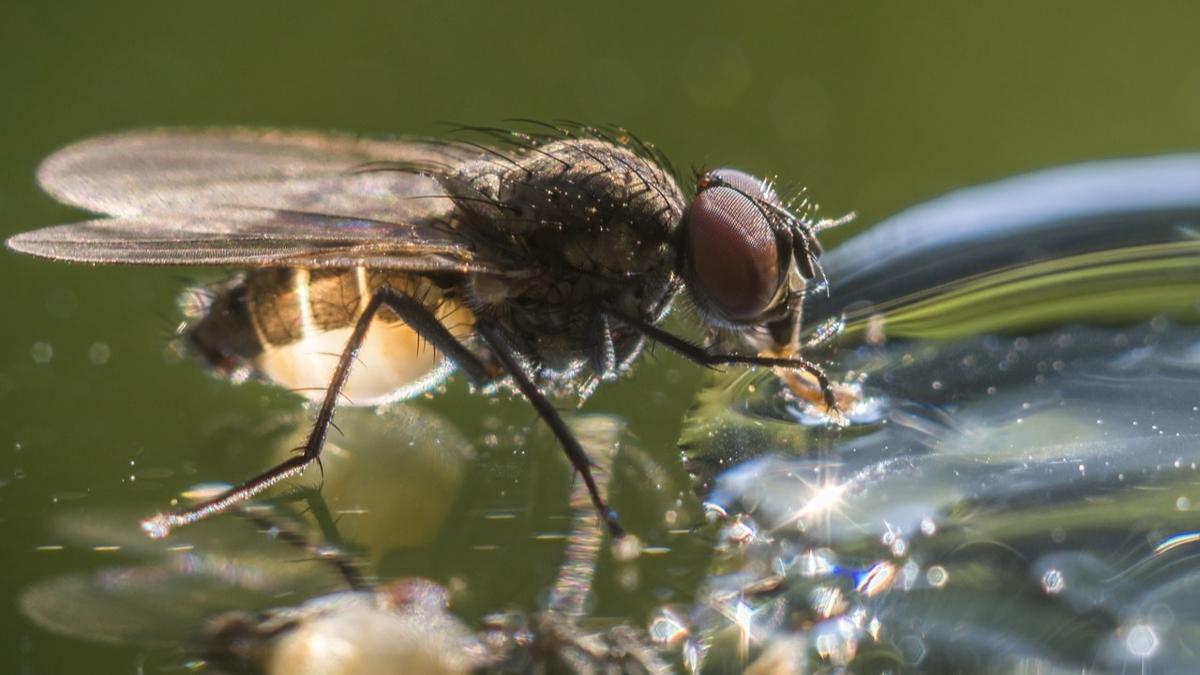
410,310
418,317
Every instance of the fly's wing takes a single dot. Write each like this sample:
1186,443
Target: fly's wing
157,606
1116,240
167,596
249,237
255,198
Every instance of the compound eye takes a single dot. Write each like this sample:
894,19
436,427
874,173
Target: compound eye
743,182
731,249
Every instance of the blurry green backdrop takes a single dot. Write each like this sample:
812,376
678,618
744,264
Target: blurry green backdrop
873,106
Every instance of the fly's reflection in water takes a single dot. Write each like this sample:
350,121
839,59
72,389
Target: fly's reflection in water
278,597
540,263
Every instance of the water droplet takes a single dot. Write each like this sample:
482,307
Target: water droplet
42,352
693,654
1142,641
877,579
1053,581
99,353
827,601
667,628
626,548
909,574
836,640
937,576
743,531
815,563
714,512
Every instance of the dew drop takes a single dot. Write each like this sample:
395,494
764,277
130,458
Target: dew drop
667,628
1142,641
42,352
99,353
937,576
1053,581
627,548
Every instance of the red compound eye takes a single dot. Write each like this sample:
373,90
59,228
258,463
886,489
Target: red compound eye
731,248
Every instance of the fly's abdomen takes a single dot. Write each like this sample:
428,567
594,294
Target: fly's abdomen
290,326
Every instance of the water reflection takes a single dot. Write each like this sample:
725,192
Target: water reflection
270,593
391,476
1016,500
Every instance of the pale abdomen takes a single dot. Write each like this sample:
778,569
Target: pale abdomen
291,325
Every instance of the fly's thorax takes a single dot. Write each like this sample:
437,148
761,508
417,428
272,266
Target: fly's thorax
590,221
290,326
584,204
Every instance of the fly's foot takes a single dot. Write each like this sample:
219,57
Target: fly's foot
806,387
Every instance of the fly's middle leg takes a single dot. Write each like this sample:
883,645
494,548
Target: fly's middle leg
503,351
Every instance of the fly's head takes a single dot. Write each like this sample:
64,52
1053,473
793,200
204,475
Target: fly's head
747,259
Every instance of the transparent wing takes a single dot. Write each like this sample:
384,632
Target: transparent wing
167,597
254,237
253,197
194,169
140,605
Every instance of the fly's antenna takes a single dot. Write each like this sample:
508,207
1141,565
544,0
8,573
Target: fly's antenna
830,223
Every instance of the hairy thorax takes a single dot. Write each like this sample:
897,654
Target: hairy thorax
593,223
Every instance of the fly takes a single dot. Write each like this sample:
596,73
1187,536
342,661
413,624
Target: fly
541,262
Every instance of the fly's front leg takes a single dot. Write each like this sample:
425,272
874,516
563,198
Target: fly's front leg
412,312
828,394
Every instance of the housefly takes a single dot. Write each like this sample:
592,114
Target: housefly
540,262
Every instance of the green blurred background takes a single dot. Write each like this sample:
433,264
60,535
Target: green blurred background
875,107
